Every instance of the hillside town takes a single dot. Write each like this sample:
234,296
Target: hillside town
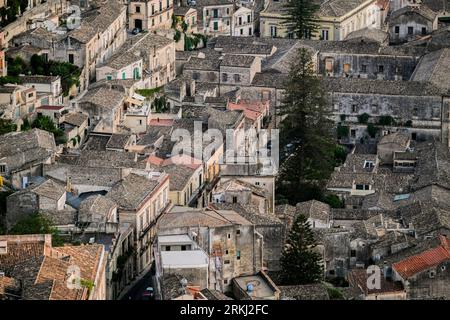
224,150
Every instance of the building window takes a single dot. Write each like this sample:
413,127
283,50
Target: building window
237,78
368,164
215,13
183,248
241,31
153,9
240,20
229,235
325,35
238,232
424,31
249,18
346,67
138,9
226,251
2,168
397,29
207,12
364,68
329,64
354,108
226,262
238,254
215,26
225,281
196,76
352,253
160,6
167,248
375,108
410,30
168,3
250,31
234,199
380,69
273,31
71,58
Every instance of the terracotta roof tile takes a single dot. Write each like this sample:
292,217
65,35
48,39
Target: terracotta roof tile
423,261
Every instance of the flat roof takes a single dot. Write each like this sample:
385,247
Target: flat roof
174,239
184,259
261,288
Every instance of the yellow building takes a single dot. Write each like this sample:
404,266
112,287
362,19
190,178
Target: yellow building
336,18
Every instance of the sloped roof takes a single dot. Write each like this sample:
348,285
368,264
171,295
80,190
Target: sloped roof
423,261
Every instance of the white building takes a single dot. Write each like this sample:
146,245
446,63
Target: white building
243,22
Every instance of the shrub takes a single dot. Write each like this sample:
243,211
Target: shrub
342,131
372,130
363,118
177,36
386,121
334,201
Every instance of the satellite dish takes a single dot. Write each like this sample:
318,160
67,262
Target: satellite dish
91,240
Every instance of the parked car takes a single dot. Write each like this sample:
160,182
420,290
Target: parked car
148,294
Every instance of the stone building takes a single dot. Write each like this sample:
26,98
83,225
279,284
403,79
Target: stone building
18,102
142,199
150,15
217,16
335,18
231,242
409,22
158,58
425,274
46,196
104,107
101,33
22,155
43,270
243,22
180,255
415,107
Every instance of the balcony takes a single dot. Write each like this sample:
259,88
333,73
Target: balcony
153,223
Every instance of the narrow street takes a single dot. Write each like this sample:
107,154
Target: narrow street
135,293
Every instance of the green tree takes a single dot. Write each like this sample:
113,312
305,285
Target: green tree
334,201
299,263
7,126
386,121
372,130
37,224
307,125
47,124
363,118
301,17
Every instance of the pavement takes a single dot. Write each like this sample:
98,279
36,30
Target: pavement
135,289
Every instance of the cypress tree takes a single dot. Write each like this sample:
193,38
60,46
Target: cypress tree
301,17
299,263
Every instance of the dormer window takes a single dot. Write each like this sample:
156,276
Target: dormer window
368,164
